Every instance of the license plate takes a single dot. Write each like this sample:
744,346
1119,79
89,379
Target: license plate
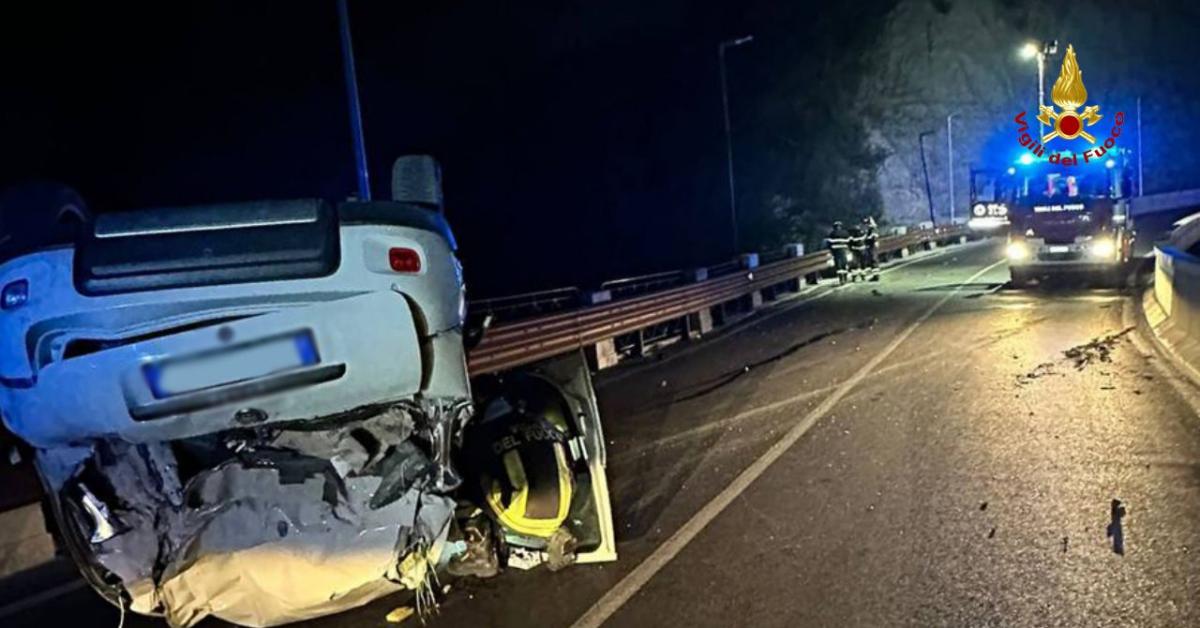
232,365
1059,249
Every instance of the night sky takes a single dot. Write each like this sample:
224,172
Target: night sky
579,142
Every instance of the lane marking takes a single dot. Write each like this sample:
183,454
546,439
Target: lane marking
616,597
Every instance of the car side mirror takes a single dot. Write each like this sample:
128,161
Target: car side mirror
476,330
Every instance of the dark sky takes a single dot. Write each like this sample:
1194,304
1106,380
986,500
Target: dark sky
580,140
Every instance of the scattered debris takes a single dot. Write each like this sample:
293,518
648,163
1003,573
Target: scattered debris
1040,371
560,550
1098,350
983,506
399,614
1115,531
992,534
477,556
524,559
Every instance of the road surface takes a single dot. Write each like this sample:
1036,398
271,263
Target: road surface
932,450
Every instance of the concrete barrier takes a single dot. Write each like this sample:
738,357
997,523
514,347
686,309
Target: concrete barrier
1172,309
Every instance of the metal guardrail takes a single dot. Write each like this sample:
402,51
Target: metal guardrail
631,286
518,343
526,304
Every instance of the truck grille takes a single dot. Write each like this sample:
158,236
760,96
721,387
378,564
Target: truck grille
1069,256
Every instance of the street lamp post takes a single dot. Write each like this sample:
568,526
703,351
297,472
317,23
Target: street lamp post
1040,51
925,171
950,160
356,126
732,43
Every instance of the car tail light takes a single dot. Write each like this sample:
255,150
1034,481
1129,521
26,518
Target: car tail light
404,260
15,294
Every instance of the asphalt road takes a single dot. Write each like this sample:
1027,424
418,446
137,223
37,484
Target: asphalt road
932,450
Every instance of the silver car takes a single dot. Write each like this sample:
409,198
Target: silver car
246,410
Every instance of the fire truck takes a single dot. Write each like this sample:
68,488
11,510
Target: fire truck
990,200
1070,219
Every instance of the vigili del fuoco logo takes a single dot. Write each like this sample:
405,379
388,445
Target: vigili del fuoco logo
1069,123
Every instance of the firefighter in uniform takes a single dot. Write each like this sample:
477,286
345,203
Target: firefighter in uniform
839,243
857,250
870,260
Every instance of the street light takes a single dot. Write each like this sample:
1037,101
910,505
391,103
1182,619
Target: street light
950,160
732,43
925,170
1040,50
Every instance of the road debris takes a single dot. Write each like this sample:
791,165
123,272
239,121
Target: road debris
399,614
1098,350
1038,372
524,559
1115,531
992,534
983,506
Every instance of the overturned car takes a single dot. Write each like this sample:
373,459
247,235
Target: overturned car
262,411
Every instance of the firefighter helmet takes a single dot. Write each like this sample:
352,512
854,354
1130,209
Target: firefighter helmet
520,451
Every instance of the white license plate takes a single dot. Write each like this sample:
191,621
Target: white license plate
237,364
1058,249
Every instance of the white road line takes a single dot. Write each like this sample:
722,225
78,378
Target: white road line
617,596
782,307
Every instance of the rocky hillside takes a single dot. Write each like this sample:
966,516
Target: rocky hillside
900,68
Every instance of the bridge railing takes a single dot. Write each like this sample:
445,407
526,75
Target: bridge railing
700,301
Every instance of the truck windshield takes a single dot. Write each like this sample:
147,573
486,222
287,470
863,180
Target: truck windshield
1050,182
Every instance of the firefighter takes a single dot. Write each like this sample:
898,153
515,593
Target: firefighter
839,243
870,260
858,251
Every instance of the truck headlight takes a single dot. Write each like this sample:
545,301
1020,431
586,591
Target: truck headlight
1103,248
1017,250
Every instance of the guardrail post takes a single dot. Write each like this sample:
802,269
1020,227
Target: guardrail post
749,261
603,354
793,250
699,323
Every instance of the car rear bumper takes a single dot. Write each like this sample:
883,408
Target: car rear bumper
367,348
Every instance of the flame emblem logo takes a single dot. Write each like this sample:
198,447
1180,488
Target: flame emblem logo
1069,94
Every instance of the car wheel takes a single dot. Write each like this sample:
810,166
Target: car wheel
1019,278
